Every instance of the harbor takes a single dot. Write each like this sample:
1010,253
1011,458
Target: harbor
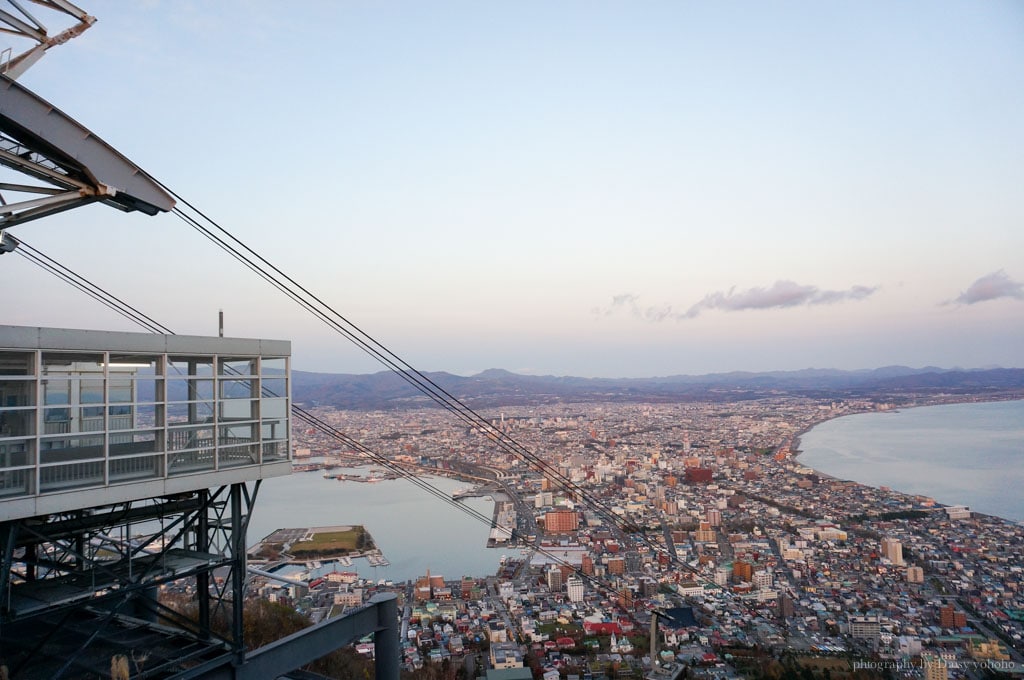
306,554
413,530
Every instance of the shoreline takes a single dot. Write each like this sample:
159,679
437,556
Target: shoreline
796,451
795,440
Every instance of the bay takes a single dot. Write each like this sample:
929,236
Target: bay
959,454
415,530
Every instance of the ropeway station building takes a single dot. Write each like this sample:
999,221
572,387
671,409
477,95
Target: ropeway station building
89,417
130,463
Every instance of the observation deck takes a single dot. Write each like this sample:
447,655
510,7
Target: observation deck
90,418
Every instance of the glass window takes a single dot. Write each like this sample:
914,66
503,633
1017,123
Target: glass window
57,416
274,429
20,423
120,390
70,448
183,366
183,438
189,390
198,412
17,393
237,455
274,387
235,434
90,391
275,450
122,417
148,389
17,363
276,366
183,462
273,408
90,419
245,367
56,391
149,415
236,389
55,363
131,443
15,452
238,409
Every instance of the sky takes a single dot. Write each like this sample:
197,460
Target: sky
613,189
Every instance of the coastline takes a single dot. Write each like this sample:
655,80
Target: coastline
797,441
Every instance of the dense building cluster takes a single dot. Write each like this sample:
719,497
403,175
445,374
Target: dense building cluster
706,511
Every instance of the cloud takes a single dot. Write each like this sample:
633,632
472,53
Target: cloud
631,304
991,287
780,295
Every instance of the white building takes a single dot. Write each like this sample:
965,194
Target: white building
92,417
574,587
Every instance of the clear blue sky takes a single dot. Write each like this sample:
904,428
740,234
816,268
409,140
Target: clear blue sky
571,188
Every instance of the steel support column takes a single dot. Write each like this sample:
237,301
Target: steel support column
379,616
237,547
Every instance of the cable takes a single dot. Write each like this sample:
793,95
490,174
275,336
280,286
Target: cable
390,360
60,271
133,314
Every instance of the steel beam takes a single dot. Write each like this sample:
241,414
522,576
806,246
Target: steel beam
379,616
44,129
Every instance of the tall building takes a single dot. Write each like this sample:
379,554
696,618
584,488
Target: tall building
698,475
949,617
742,571
714,517
554,578
935,667
705,534
561,521
865,627
785,606
915,574
892,550
574,588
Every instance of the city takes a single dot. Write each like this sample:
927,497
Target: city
710,510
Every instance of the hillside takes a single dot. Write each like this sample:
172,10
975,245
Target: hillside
496,387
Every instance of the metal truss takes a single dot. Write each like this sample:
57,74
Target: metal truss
73,583
16,20
66,164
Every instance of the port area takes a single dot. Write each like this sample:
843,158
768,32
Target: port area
318,548
506,524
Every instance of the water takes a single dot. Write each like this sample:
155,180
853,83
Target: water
414,530
958,454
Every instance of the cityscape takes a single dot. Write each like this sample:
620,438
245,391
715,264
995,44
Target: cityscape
700,509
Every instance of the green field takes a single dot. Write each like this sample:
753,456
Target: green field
332,543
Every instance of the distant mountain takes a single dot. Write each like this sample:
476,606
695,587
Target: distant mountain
498,387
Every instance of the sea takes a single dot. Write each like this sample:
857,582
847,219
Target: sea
958,454
414,530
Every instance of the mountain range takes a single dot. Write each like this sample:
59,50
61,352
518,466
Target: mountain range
497,387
